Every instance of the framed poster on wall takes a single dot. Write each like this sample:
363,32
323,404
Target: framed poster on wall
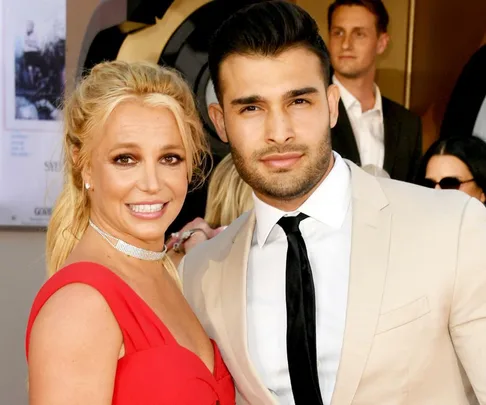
32,78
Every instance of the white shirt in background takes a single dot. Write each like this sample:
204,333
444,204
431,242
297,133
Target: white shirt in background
480,125
368,127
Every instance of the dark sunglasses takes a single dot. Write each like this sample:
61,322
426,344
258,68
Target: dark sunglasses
447,183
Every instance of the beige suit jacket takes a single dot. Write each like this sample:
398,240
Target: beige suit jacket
416,316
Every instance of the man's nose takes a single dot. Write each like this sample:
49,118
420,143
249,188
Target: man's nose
279,127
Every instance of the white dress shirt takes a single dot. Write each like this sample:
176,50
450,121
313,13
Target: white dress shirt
327,235
480,125
368,127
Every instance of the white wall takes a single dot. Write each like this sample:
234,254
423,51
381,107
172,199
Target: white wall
22,272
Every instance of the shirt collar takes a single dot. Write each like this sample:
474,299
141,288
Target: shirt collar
328,204
349,100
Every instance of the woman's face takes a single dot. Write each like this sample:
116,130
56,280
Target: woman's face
443,166
138,174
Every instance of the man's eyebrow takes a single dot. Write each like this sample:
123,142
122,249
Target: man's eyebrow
301,92
247,100
253,99
357,27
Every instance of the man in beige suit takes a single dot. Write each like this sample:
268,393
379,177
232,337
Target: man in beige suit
394,310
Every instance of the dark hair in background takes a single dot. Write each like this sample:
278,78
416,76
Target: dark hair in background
469,149
266,28
375,7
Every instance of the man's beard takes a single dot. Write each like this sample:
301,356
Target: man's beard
297,183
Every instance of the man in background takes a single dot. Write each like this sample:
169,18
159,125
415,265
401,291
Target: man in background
371,129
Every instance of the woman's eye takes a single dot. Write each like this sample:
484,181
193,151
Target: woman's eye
124,160
172,159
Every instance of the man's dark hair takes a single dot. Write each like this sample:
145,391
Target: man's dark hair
266,28
375,7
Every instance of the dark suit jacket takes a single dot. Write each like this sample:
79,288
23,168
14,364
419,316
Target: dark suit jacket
466,98
403,140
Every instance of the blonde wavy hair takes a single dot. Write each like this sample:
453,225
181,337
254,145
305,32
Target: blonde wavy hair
228,195
106,86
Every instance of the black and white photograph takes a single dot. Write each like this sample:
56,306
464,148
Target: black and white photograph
32,77
35,61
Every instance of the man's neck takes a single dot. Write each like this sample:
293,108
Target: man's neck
362,88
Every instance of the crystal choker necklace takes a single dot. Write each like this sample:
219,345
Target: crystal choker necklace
128,249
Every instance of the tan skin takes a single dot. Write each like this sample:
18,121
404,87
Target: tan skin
354,45
441,166
76,342
273,103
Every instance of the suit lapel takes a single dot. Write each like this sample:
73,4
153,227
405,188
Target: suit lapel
369,257
392,136
343,139
233,300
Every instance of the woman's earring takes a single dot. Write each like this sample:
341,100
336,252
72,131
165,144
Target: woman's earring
87,186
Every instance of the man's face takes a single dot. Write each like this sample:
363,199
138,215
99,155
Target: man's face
354,41
276,116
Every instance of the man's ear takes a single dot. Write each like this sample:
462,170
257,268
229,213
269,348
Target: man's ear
333,103
217,117
383,40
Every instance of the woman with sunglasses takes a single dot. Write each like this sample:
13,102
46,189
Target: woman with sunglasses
456,164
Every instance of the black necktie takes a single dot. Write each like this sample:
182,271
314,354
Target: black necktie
301,317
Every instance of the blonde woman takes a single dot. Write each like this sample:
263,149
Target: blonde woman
111,325
228,197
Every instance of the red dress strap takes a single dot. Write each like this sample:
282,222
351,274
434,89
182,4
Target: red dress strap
135,318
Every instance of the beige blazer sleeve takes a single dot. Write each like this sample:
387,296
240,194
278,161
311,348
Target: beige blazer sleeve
468,311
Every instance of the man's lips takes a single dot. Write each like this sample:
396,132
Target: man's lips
281,160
